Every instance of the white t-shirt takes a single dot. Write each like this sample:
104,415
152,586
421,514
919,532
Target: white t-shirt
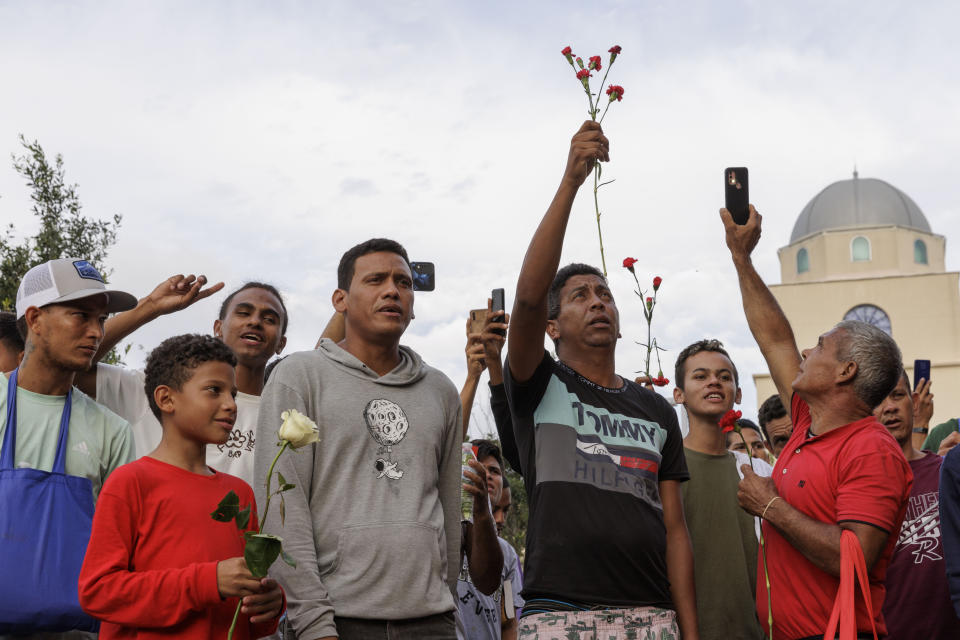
478,615
121,390
761,468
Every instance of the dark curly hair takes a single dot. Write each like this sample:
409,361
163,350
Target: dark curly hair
564,274
487,448
348,261
9,332
225,305
771,409
172,363
712,345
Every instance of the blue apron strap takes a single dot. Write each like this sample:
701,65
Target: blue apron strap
10,435
60,462
7,456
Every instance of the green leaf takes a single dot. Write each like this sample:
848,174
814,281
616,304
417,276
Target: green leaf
283,480
243,518
286,557
286,487
228,508
261,551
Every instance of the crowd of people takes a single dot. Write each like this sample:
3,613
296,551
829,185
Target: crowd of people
109,476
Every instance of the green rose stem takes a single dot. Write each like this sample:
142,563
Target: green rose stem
266,509
596,206
648,315
596,171
763,546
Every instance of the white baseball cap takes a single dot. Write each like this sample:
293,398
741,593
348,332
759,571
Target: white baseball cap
64,280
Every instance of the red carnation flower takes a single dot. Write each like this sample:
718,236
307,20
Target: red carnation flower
567,51
580,61
595,63
615,49
649,303
629,262
583,74
656,282
729,421
615,92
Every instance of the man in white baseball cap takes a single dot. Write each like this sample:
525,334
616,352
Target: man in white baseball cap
66,280
54,439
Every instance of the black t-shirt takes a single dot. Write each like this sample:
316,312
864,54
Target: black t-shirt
592,459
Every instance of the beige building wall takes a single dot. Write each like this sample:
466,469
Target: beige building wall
924,312
891,248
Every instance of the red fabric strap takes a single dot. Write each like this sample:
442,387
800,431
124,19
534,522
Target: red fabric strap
853,569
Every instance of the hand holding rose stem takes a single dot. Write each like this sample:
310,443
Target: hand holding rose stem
297,430
727,424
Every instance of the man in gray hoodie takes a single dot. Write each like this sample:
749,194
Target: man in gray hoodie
374,520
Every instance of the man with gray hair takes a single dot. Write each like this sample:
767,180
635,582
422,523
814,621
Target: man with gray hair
840,471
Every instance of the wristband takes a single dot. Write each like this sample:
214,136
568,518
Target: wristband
921,430
763,515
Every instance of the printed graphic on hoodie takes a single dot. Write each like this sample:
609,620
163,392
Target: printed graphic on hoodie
388,425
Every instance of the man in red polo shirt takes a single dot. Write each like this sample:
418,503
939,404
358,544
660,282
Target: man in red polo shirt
840,469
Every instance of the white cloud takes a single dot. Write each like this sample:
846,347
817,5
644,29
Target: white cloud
261,141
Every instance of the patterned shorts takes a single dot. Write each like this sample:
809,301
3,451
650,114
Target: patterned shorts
644,623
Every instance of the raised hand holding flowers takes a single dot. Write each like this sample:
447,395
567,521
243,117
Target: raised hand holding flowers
261,549
614,93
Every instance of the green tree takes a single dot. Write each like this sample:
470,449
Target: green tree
64,231
515,528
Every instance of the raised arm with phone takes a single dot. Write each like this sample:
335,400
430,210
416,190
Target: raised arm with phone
856,479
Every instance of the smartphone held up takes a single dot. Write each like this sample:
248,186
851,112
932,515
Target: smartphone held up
424,278
736,191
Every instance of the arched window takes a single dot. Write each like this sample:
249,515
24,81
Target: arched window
871,314
860,249
803,261
920,252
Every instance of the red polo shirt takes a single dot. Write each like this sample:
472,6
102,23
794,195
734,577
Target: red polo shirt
854,473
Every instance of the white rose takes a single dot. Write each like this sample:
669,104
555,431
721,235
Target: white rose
298,429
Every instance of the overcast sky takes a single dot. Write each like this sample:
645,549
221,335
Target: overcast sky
260,140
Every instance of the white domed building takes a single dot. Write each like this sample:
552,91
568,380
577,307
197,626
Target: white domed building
862,250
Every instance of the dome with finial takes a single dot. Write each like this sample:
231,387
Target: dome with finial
860,202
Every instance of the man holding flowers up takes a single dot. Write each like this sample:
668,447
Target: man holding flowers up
840,471
602,457
372,518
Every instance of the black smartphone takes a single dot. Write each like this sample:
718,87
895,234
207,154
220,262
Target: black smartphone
423,276
736,190
921,369
497,305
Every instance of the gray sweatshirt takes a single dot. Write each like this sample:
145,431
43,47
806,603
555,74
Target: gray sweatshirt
374,520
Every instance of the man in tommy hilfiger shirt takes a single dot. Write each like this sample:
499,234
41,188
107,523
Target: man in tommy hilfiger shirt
602,457
840,470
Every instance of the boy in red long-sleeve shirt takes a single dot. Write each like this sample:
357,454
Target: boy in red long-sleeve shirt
158,566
